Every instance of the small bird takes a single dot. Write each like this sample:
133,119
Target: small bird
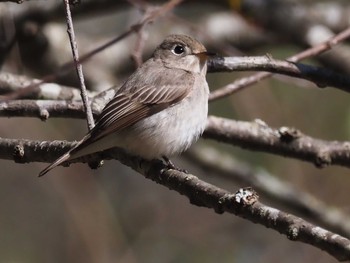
159,111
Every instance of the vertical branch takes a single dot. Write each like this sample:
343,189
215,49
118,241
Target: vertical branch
140,43
79,68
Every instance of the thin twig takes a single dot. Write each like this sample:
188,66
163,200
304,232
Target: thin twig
247,81
320,76
78,65
158,12
139,46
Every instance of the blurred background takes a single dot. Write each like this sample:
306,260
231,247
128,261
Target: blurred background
113,214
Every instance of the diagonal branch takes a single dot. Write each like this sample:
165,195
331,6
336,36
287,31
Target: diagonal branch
243,204
320,76
225,166
151,17
247,81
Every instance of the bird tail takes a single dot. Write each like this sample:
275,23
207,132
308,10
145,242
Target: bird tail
59,161
72,153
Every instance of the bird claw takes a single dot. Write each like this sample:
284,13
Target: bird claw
171,165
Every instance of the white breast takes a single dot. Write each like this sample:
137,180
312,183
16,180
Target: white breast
170,131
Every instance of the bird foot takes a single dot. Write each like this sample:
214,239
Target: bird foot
171,165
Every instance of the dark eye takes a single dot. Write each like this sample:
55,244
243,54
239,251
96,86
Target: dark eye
178,50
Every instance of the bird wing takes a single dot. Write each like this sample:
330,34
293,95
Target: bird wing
132,104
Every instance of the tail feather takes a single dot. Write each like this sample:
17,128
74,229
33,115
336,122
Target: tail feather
65,156
59,161
84,147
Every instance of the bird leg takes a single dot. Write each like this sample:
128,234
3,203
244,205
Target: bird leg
171,165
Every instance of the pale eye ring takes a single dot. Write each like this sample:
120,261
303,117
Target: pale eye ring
178,50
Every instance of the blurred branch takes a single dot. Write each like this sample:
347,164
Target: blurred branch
200,193
225,166
333,14
50,91
7,36
149,18
247,81
14,1
136,55
42,109
299,27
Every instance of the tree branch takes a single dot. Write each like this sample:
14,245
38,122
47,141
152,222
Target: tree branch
247,81
42,109
78,66
226,167
320,76
49,91
157,12
288,142
243,204
256,136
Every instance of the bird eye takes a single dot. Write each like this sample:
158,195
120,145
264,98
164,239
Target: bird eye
178,50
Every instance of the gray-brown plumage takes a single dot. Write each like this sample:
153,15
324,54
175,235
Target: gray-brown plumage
159,111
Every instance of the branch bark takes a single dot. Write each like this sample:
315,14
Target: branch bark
78,66
225,166
288,142
320,76
256,136
243,203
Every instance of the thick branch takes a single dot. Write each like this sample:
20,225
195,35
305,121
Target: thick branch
303,203
284,141
256,136
203,194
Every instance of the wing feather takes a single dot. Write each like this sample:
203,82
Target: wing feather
132,104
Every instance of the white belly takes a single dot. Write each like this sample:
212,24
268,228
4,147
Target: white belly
170,131
165,133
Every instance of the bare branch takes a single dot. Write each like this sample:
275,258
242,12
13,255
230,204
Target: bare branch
257,136
157,12
42,109
139,46
47,91
313,51
200,193
299,28
226,167
320,76
284,141
78,65
14,1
